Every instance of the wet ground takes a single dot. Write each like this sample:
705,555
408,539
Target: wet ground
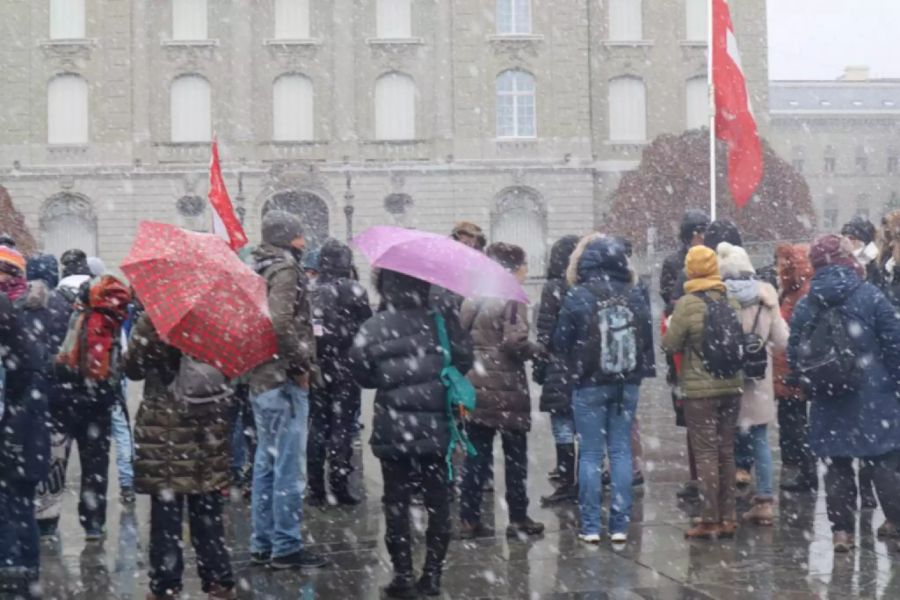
792,560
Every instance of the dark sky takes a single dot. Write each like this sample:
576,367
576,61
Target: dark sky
816,39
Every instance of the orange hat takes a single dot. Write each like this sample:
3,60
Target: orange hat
701,263
11,261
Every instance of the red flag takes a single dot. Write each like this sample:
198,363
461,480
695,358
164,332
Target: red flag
221,203
734,121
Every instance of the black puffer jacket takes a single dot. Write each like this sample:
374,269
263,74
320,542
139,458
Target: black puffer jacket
551,371
397,353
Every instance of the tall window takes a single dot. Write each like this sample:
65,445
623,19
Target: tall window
696,15
519,219
697,99
67,110
291,19
625,21
292,103
627,110
190,109
515,105
395,107
66,19
189,20
393,19
513,17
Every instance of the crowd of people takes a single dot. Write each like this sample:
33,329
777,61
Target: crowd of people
810,342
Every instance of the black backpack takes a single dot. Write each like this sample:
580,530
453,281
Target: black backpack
722,349
756,355
826,364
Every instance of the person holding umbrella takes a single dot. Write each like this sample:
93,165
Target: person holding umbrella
279,390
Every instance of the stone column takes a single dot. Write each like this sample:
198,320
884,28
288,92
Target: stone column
443,81
343,51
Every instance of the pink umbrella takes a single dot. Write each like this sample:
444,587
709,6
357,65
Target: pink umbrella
439,260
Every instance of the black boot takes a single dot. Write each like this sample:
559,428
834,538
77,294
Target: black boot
567,490
402,586
430,583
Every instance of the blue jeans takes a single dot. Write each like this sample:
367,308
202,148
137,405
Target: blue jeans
279,469
743,450
758,442
563,427
603,417
121,434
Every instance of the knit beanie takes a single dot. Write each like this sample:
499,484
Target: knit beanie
509,256
733,260
74,262
701,263
43,267
280,228
11,261
96,265
833,249
860,228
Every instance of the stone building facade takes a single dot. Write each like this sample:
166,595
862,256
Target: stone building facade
520,115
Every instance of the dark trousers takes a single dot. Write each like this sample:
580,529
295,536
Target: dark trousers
332,423
840,488
477,469
712,425
207,537
794,431
20,553
398,490
89,425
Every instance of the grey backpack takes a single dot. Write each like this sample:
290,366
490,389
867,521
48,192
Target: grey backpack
199,383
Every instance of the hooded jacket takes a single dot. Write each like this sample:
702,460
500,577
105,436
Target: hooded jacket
866,422
759,298
291,314
397,353
551,371
179,449
340,304
671,278
599,270
793,281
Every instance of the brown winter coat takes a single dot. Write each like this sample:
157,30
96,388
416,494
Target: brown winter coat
178,449
500,334
291,318
758,400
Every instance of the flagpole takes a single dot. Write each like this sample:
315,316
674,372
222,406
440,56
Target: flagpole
712,114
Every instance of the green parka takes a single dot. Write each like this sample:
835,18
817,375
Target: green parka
179,449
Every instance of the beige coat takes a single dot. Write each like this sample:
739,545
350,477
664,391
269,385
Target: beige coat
758,400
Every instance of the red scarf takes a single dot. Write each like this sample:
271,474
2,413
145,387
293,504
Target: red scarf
14,287
98,329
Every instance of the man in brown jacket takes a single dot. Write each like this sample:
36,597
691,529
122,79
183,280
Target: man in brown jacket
280,394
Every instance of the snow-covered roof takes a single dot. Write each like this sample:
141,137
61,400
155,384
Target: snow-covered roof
828,98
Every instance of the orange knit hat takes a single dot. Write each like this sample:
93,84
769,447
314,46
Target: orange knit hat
11,261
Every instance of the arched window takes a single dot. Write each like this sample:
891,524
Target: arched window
519,219
189,20
393,19
311,209
513,17
291,19
67,110
292,109
625,21
190,109
68,222
697,103
66,19
696,16
395,107
515,105
627,110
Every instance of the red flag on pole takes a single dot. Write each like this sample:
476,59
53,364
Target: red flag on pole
734,121
225,221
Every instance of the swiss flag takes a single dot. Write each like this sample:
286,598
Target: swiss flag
734,121
225,221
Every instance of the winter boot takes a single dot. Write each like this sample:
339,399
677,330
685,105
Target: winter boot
402,586
568,490
430,583
762,512
703,531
